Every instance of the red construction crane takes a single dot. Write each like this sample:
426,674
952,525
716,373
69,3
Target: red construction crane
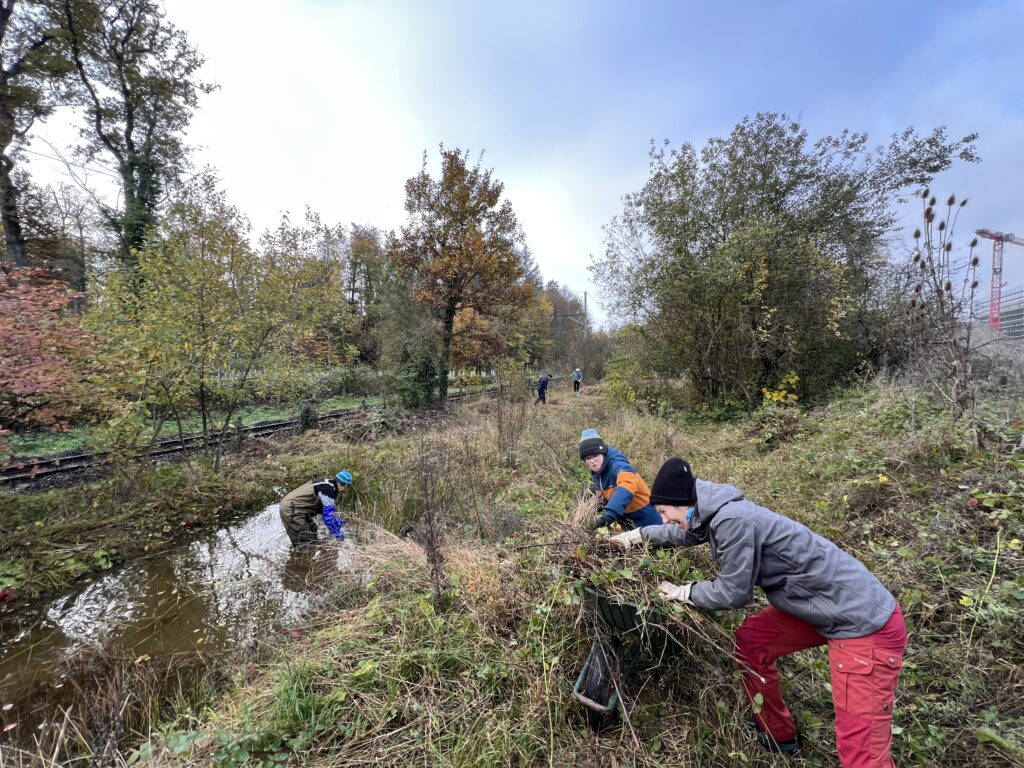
995,302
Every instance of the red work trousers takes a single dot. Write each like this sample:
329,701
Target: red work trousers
864,673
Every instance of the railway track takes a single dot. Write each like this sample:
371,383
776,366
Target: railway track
33,469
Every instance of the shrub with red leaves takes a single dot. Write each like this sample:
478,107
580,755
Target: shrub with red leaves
42,349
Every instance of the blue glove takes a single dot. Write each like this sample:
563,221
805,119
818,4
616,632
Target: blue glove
333,522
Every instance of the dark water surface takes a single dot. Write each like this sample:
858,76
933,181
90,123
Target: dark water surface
219,594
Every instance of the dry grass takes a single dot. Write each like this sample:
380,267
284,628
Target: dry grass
384,677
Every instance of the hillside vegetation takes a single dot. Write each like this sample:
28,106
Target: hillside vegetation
465,652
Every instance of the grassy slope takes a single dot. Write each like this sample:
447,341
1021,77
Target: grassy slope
389,680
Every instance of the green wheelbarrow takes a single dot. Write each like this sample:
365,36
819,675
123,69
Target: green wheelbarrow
622,636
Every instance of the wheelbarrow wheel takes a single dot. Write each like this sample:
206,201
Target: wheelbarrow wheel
600,687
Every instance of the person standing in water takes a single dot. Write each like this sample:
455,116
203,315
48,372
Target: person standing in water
299,509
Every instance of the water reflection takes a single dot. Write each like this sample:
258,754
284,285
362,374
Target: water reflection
216,594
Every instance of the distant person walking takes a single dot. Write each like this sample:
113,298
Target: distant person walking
317,497
577,380
542,389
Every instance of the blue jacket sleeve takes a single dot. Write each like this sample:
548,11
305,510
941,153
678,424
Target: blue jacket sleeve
333,522
616,505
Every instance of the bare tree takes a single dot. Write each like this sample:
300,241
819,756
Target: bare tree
435,473
512,407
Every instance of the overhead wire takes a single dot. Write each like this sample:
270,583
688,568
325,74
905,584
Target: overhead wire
65,162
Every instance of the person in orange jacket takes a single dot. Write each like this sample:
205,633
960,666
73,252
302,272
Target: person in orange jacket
625,494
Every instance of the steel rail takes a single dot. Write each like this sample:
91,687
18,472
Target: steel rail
36,468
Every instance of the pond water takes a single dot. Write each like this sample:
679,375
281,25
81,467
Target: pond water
219,594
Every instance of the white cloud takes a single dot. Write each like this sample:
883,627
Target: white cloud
331,104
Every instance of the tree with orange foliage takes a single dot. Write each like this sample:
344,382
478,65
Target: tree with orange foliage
459,246
477,340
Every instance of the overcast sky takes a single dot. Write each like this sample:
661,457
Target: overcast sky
331,103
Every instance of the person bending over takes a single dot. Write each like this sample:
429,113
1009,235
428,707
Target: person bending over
300,508
817,593
622,490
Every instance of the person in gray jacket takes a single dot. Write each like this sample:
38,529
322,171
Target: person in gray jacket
818,595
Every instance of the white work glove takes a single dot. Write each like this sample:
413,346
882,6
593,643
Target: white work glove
681,593
628,539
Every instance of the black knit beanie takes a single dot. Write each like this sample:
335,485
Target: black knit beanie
674,485
591,444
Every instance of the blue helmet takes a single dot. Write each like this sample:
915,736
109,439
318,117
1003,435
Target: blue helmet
344,477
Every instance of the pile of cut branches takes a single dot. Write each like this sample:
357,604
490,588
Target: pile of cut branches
601,570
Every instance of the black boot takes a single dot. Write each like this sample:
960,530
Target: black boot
789,747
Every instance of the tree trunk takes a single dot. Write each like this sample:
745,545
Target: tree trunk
141,190
446,347
13,237
223,434
203,413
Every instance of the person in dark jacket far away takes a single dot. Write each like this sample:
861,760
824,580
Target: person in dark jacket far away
625,494
818,595
542,389
317,497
